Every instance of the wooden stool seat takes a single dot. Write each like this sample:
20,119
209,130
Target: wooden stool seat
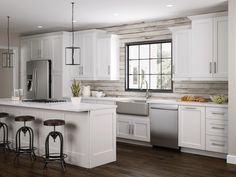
24,118
4,115
54,122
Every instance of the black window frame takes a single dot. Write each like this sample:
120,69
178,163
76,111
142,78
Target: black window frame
127,66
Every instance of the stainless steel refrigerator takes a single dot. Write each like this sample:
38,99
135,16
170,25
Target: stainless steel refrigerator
38,79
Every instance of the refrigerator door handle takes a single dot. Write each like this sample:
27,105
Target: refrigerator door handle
33,82
36,82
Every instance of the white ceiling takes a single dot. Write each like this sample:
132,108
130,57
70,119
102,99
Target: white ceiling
55,15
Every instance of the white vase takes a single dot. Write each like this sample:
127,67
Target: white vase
75,100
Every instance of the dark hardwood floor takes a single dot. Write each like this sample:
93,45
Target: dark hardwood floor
132,161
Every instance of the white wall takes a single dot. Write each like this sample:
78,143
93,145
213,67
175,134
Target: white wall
9,78
231,158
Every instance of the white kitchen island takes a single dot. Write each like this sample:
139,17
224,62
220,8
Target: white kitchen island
89,133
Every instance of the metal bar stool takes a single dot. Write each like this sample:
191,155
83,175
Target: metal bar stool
49,157
25,129
4,143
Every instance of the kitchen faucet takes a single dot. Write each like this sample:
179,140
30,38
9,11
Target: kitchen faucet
147,95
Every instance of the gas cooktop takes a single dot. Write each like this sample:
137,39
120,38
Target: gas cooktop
44,100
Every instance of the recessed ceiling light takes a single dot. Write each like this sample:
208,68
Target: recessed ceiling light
116,14
39,26
74,21
169,5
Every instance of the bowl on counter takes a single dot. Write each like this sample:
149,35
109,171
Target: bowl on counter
219,99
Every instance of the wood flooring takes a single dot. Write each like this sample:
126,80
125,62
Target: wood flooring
132,161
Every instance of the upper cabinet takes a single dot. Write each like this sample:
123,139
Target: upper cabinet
99,58
201,52
181,52
108,57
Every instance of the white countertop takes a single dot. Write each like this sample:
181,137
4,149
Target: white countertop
107,98
185,103
159,101
68,106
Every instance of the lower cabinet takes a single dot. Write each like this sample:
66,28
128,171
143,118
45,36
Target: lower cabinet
203,128
133,127
192,127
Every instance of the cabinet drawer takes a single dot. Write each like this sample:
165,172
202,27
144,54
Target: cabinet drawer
217,113
216,143
216,127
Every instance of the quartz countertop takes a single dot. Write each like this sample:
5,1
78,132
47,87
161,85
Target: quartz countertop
63,106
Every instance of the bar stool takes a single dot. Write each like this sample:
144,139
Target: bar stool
4,143
49,157
25,129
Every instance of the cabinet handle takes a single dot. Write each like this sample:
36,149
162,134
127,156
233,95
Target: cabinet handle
214,67
132,129
190,108
218,113
217,128
217,144
108,70
129,129
210,68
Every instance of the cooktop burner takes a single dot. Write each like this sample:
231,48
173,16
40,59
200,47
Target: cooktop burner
44,101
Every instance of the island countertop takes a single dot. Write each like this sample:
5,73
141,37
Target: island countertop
63,106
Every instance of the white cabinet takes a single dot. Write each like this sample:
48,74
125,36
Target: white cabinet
192,127
216,129
50,46
209,49
99,59
133,127
220,58
108,57
202,48
181,52
41,48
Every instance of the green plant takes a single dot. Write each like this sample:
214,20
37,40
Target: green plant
75,88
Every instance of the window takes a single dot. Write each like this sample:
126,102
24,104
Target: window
149,63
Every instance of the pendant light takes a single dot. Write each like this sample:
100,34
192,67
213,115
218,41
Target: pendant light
72,52
7,57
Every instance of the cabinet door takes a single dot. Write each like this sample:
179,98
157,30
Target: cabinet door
192,127
123,127
181,55
35,48
221,48
202,49
104,58
141,129
46,48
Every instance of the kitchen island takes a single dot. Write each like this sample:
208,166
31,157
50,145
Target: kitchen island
89,133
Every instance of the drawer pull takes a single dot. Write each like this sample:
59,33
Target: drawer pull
217,128
218,113
217,144
190,108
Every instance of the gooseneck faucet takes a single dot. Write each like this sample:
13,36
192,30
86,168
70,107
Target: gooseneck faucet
147,95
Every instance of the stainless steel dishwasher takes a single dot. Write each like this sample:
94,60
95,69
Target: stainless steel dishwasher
164,125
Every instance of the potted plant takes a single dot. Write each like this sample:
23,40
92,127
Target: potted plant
75,89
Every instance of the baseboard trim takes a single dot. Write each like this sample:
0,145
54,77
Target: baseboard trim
204,153
231,159
140,143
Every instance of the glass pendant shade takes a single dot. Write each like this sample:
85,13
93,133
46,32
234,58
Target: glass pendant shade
72,53
7,59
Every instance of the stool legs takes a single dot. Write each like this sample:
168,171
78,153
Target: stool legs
4,144
54,156
25,149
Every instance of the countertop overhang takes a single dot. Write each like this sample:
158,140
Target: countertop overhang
64,106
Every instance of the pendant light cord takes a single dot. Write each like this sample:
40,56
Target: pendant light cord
8,35
72,24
